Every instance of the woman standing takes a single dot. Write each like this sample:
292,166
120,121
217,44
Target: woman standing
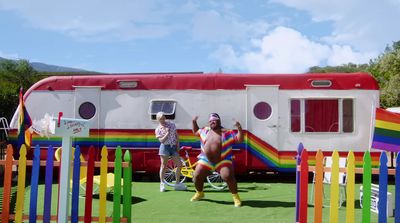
168,136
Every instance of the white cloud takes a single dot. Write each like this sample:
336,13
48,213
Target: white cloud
345,54
226,55
94,19
366,25
212,26
286,50
355,37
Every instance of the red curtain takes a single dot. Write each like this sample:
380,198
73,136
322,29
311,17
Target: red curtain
321,115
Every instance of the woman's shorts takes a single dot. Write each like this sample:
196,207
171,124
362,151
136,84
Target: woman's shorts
168,150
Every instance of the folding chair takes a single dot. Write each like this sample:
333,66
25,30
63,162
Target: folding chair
83,172
327,180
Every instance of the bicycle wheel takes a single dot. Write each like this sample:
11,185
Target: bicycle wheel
215,181
169,177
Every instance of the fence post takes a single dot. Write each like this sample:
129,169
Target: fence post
48,185
350,187
103,185
34,184
383,181
7,184
21,184
117,185
334,203
397,190
126,210
75,185
366,200
303,187
300,148
318,192
89,186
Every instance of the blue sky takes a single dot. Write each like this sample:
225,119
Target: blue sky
252,36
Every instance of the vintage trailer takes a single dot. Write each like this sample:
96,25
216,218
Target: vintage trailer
277,111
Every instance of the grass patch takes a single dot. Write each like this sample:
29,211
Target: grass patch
262,202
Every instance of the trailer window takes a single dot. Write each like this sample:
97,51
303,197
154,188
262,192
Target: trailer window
348,119
166,106
295,115
262,110
87,110
321,115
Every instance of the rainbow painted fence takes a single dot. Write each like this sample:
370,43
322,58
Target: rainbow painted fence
120,168
383,171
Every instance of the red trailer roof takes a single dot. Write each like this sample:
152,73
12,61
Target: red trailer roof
209,81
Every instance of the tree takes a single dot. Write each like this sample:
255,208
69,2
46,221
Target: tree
345,68
13,76
386,70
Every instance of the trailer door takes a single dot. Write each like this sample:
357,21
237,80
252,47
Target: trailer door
87,106
262,118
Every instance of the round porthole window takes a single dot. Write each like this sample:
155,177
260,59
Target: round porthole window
262,110
87,110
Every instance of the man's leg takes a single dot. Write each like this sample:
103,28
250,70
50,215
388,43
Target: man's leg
228,176
200,174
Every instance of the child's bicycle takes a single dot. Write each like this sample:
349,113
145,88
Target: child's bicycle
214,179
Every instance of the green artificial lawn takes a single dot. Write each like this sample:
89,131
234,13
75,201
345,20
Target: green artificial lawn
262,202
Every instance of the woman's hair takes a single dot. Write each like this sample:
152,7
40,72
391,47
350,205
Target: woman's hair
159,115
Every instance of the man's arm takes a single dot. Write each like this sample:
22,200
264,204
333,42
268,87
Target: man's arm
195,127
239,136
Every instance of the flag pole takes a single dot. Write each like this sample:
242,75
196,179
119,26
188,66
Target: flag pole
372,129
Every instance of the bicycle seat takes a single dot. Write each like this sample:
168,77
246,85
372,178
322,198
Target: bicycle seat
186,148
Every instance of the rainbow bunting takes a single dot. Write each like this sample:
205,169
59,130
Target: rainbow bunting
24,123
387,131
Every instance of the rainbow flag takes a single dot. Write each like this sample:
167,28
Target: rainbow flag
387,131
24,123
